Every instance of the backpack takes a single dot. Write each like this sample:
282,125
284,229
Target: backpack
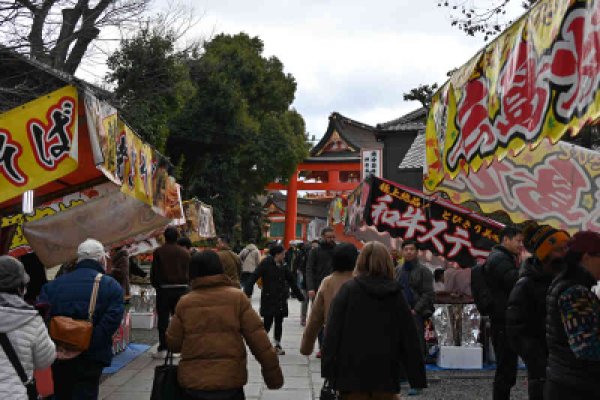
482,295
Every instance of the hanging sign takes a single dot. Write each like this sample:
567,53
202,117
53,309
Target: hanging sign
38,142
437,225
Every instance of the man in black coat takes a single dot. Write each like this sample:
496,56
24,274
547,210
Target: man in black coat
319,266
526,313
501,274
319,261
277,282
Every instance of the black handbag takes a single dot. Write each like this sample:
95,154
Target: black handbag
165,385
328,392
29,384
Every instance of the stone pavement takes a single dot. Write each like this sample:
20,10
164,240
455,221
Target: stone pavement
302,375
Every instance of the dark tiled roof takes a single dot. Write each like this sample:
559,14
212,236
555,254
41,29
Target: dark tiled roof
412,121
415,156
356,134
306,207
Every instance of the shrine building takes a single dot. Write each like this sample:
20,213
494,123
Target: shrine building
348,152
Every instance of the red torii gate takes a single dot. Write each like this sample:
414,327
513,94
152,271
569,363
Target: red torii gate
342,175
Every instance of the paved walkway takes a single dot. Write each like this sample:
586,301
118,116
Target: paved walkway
302,375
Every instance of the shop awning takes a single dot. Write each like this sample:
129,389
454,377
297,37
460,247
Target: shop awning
69,144
538,81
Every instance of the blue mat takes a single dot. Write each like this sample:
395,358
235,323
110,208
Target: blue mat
125,357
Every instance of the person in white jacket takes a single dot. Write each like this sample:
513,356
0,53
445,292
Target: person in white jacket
24,328
250,257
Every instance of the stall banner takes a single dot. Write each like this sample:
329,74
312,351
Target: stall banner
557,185
437,225
111,219
19,246
38,142
537,81
134,165
103,128
199,220
355,210
337,211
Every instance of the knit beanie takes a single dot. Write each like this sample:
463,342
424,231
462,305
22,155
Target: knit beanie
90,249
12,274
585,242
540,240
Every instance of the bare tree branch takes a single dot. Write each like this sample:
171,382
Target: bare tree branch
60,32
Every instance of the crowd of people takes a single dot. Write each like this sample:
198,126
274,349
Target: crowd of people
367,313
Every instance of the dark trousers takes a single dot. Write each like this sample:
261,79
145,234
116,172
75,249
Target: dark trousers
506,363
557,391
76,379
268,321
166,300
247,283
420,323
536,375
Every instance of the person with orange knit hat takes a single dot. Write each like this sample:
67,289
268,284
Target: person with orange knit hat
573,323
526,311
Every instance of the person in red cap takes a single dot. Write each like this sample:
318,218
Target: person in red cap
573,323
526,312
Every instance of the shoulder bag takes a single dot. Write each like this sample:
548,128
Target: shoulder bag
73,336
29,384
166,385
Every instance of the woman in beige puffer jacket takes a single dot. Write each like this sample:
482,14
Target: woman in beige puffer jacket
343,262
211,327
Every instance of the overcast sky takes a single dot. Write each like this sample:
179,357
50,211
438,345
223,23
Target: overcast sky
356,57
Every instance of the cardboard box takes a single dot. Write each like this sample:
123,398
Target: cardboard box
143,320
460,357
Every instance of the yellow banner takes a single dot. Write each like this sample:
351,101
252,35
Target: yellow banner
38,142
538,80
134,165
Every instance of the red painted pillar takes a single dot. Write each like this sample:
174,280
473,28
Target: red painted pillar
291,210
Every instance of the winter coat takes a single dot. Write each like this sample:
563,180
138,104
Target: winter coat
420,281
320,308
209,328
170,265
501,274
563,366
277,281
318,265
69,295
369,333
27,334
232,265
300,266
526,314
250,258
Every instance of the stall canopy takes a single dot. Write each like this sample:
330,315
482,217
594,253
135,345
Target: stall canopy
553,184
444,229
536,82
69,142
